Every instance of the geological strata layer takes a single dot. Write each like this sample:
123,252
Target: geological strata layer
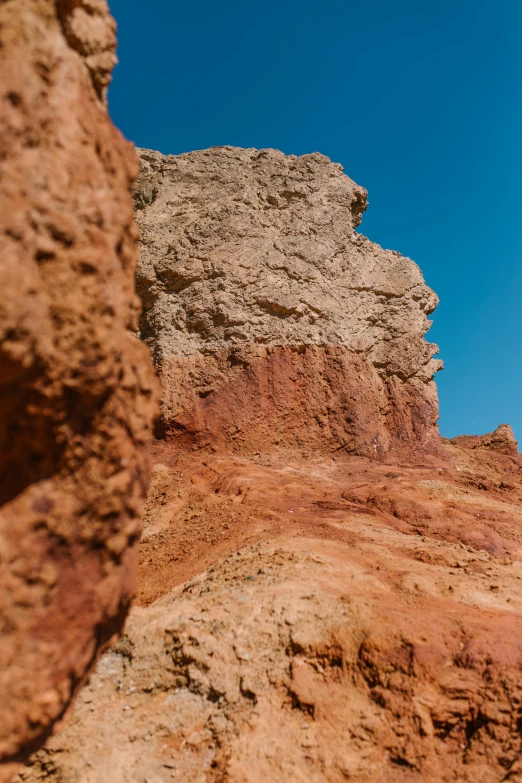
271,319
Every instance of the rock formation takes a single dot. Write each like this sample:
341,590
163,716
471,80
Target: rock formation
309,610
272,321
77,389
328,590
502,440
357,621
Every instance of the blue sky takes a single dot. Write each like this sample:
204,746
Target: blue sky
422,104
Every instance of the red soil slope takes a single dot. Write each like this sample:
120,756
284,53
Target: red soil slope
203,505
357,621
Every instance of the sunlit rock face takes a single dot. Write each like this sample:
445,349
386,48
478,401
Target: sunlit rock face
270,318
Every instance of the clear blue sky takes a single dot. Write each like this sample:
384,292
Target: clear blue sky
420,100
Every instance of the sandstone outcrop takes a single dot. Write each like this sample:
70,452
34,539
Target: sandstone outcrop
77,388
304,615
502,441
368,629
328,590
271,320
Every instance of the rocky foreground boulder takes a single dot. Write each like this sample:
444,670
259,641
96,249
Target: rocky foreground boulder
77,388
271,319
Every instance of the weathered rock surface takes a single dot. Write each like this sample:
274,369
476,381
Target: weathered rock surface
270,318
77,390
502,440
369,628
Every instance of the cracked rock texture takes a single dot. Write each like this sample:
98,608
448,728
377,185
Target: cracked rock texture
77,388
369,628
269,316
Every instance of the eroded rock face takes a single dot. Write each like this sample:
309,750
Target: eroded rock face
502,441
271,319
77,389
357,622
